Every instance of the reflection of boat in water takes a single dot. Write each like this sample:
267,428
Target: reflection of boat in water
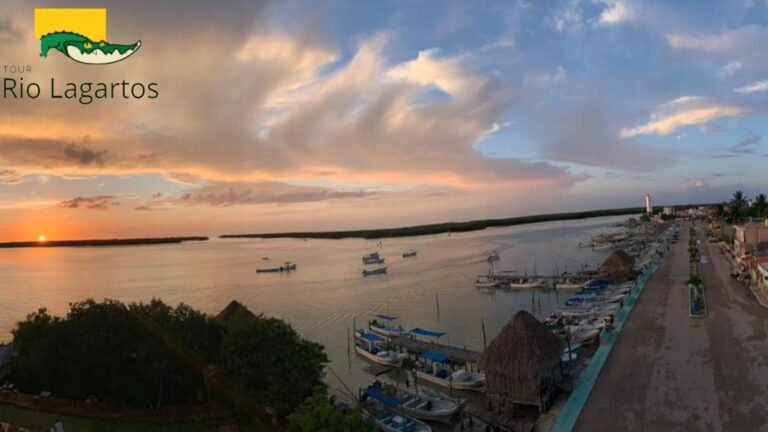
373,347
286,267
435,369
373,258
378,271
420,406
409,253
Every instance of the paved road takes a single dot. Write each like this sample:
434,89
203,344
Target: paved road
669,372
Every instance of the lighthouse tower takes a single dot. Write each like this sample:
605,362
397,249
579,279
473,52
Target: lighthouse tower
648,205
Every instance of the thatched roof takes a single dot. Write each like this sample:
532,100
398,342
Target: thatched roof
618,262
232,308
524,349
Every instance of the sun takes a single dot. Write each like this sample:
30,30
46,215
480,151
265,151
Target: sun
41,238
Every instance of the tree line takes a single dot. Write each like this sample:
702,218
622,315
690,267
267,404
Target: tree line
740,207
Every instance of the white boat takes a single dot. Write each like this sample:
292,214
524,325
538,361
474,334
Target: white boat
373,347
486,282
435,371
526,282
389,421
409,253
416,405
378,271
385,327
373,258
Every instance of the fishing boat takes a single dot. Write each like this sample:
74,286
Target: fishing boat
569,281
435,369
376,271
493,256
387,420
486,281
373,347
416,405
409,253
598,311
373,258
286,267
525,282
386,326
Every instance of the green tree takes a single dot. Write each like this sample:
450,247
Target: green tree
317,414
760,205
268,361
738,206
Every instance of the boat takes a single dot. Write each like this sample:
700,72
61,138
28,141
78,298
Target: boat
387,420
409,253
286,267
377,271
493,256
385,327
373,258
525,282
435,369
569,281
486,281
373,347
419,406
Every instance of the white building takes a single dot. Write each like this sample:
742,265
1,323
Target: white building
669,211
648,206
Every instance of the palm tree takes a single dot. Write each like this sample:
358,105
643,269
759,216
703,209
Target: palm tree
738,204
760,205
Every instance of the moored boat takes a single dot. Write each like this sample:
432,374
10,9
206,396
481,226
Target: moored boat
386,326
436,369
373,347
486,282
416,405
373,258
525,282
409,253
377,271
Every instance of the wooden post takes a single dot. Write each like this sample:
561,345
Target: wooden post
482,325
437,306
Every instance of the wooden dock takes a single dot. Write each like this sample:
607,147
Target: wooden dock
457,354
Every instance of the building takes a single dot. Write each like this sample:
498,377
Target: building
522,365
668,211
648,205
751,238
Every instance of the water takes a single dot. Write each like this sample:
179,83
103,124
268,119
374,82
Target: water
325,295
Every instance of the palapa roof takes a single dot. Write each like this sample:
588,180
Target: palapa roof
524,349
619,261
232,308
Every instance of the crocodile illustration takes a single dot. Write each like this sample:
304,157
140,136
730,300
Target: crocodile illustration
83,50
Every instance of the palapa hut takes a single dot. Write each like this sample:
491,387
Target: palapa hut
522,365
619,266
232,308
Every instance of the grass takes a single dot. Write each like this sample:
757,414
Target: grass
43,422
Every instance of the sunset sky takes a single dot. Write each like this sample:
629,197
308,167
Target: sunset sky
360,114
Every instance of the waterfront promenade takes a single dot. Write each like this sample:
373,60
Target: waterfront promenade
671,372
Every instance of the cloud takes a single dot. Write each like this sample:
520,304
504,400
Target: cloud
755,87
545,80
9,32
9,177
744,37
617,12
101,202
685,111
568,18
728,70
235,194
83,156
746,146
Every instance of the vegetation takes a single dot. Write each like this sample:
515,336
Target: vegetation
444,227
154,355
107,242
740,207
318,415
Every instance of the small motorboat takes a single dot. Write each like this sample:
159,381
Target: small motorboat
388,421
410,253
436,370
386,326
493,256
525,282
486,282
416,405
373,347
286,267
373,258
378,271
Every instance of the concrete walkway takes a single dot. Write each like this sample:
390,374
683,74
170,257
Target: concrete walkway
669,372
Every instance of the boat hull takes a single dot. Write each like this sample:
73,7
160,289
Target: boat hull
388,361
478,385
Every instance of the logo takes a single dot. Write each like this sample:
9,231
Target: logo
79,34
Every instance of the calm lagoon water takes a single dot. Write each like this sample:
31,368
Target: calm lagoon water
327,292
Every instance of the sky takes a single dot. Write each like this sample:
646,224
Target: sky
326,115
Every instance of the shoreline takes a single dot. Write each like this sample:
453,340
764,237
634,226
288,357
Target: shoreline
441,228
100,243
